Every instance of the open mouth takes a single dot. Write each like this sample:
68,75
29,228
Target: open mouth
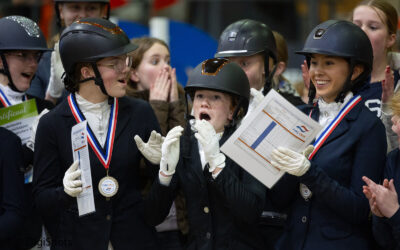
204,116
27,75
122,81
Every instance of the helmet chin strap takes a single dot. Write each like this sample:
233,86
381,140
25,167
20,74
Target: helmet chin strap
98,81
6,72
268,78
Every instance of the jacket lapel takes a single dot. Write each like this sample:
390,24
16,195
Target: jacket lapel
343,126
122,120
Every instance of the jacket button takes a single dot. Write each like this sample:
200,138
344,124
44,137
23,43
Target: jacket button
206,210
108,217
208,235
304,219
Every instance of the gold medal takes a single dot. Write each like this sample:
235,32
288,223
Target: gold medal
108,186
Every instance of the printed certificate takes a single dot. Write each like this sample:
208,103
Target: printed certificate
19,118
274,122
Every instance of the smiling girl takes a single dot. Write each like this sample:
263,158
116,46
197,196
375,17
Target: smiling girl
323,187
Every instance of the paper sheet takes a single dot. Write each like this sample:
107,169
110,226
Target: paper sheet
81,153
274,122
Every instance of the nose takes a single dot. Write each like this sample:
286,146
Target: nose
166,66
205,102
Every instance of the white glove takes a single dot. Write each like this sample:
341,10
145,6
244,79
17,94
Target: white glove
255,98
31,141
289,161
209,141
72,186
56,85
152,149
170,151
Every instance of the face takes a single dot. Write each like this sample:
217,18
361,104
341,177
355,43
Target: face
22,66
213,106
154,60
71,12
370,20
328,75
253,66
396,124
115,72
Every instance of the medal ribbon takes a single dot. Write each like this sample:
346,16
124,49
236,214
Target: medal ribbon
4,100
104,157
329,129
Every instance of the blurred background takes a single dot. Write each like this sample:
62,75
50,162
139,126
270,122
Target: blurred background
192,27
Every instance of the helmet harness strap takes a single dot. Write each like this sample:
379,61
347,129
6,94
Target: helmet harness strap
6,72
269,76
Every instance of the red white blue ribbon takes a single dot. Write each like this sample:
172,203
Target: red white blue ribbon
103,156
329,129
4,100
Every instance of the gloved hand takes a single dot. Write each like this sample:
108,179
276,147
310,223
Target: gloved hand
170,151
209,141
72,185
289,161
152,149
255,98
31,141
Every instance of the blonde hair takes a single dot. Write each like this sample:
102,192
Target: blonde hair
395,103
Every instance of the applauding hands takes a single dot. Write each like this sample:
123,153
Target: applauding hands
383,198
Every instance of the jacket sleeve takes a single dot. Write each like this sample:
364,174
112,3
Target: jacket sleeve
349,201
159,201
161,109
12,187
242,193
48,174
176,114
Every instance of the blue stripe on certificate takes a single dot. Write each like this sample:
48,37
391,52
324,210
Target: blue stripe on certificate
263,135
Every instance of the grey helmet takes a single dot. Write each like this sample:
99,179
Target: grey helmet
343,39
221,75
246,38
89,40
19,33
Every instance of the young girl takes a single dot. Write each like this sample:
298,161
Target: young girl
21,46
378,19
154,80
324,188
94,53
254,48
49,83
224,202
383,199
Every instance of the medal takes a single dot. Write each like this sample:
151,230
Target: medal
108,186
305,192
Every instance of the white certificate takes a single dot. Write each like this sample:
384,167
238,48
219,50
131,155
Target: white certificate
81,153
274,122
